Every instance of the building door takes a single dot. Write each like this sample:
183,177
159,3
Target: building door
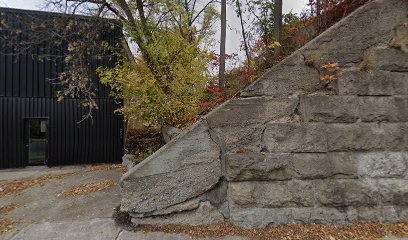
37,141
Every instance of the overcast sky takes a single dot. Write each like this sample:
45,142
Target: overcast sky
233,34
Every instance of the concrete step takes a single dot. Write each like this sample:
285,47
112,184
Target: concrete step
349,109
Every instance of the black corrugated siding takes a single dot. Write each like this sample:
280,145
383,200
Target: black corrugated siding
68,142
26,92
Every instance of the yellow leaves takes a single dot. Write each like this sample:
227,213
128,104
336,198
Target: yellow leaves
20,185
329,73
87,188
7,225
328,78
274,45
331,67
104,167
361,231
60,98
7,208
170,95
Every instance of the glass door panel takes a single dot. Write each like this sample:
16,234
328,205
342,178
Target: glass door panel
37,141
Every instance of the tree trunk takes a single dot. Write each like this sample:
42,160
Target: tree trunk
318,17
278,26
243,33
222,43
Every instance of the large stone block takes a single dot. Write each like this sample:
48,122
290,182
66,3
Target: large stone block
329,108
257,166
393,191
390,109
203,215
319,215
291,77
382,164
322,165
311,165
263,217
387,213
372,83
344,164
348,109
260,217
295,137
242,138
183,169
367,136
245,111
346,192
285,166
347,44
387,59
271,194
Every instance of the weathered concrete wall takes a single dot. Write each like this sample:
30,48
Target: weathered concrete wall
290,151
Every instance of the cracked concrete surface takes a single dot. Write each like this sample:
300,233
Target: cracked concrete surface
42,211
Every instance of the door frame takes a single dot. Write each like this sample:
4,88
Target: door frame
27,139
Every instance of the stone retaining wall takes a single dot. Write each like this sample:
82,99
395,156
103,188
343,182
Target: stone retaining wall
289,150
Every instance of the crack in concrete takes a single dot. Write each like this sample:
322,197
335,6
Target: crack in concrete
117,236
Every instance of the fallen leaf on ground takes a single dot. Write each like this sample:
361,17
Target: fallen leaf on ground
360,231
7,225
20,185
105,167
8,208
87,188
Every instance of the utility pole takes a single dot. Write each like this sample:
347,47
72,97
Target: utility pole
278,26
222,43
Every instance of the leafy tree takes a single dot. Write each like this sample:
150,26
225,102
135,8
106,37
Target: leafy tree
163,83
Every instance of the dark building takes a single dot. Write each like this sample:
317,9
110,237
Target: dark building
35,128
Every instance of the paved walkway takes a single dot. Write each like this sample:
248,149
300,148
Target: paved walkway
46,214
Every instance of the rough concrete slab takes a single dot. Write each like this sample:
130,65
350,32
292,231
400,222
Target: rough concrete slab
185,168
41,203
95,229
35,171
